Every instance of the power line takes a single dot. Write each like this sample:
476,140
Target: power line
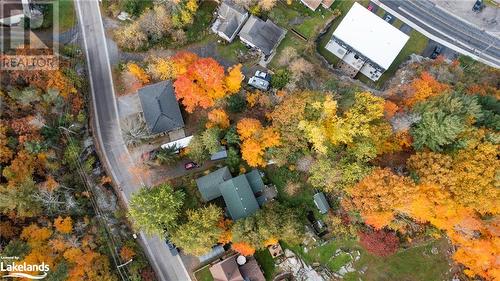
111,243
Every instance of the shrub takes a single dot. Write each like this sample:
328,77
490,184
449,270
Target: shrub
236,103
136,7
380,243
280,78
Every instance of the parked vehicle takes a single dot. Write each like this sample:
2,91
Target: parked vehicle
371,7
388,18
437,51
171,247
264,75
191,165
478,6
259,83
318,225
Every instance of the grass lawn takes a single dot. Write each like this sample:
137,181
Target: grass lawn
397,23
266,262
66,13
301,19
380,12
231,51
279,177
413,264
203,274
202,19
290,40
307,21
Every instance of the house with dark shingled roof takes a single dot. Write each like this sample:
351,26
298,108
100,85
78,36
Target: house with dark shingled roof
160,108
262,35
230,19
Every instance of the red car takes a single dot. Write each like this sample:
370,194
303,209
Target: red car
370,7
191,165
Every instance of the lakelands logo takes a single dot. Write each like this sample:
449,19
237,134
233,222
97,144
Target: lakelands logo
18,270
29,32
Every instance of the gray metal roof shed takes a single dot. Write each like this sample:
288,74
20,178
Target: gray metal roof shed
321,203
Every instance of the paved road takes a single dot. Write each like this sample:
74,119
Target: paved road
449,28
107,134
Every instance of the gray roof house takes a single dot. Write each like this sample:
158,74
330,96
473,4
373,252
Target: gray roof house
262,35
238,192
230,19
160,108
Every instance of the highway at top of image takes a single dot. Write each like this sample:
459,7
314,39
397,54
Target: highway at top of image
467,38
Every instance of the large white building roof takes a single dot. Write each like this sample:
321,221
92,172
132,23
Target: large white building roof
371,36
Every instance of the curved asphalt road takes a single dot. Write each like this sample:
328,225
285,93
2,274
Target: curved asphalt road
468,39
108,138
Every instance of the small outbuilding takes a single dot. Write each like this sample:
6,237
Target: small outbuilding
314,4
321,202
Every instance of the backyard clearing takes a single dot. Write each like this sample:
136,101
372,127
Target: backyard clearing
416,263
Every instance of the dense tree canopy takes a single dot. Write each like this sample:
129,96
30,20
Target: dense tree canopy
200,232
255,140
380,194
203,81
443,120
273,222
154,210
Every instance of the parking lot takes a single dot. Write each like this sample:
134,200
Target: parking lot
446,52
431,46
487,19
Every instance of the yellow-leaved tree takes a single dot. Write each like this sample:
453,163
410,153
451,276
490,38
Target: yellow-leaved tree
233,79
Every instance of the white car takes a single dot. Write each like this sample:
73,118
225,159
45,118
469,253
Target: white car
263,75
259,83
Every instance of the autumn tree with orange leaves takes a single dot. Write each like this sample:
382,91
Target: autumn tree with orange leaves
233,79
424,87
255,140
218,117
202,81
380,195
243,248
63,225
